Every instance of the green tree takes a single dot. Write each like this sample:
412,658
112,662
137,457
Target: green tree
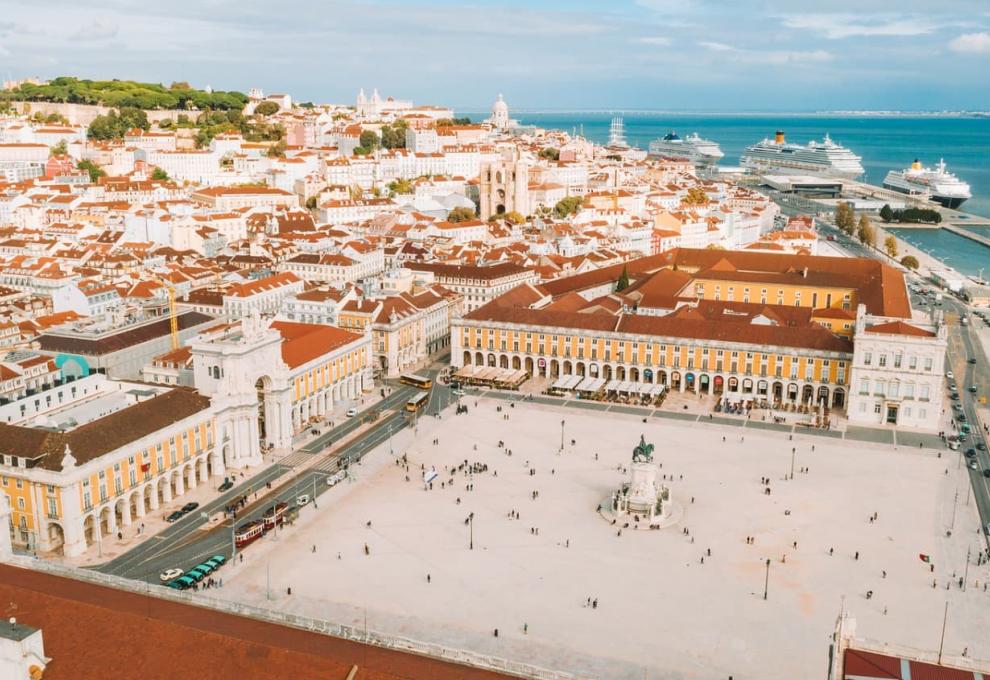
550,153
160,175
394,135
886,214
277,150
312,202
890,245
567,206
623,281
94,170
460,214
266,108
368,140
845,217
910,261
60,149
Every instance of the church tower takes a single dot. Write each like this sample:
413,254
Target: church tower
504,185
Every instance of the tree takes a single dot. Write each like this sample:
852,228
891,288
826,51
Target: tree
277,150
514,217
94,170
890,245
266,108
910,261
116,124
567,206
401,186
165,124
623,281
60,149
550,153
845,217
460,214
865,232
886,214
312,202
696,196
160,175
394,135
369,140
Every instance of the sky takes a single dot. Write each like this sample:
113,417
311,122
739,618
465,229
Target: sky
729,55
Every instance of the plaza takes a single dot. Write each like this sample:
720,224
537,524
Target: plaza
666,606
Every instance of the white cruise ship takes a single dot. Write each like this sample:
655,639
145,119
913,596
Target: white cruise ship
825,158
694,148
935,184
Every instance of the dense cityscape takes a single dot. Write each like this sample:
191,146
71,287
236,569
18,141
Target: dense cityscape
380,389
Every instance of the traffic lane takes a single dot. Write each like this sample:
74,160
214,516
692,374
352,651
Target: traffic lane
190,522
398,397
219,539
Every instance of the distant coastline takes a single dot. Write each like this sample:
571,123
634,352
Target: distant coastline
482,111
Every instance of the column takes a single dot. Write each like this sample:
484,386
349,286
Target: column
125,516
180,487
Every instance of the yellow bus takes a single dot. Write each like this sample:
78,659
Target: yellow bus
417,402
416,381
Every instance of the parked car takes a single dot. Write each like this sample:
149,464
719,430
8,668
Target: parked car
972,360
972,389
986,472
972,464
986,528
970,452
302,500
953,445
189,507
170,575
953,387
228,483
954,396
182,582
200,571
175,516
948,374
981,446
216,561
351,412
961,417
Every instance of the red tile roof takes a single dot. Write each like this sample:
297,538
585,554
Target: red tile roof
900,328
303,342
84,625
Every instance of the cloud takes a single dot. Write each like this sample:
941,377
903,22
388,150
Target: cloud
668,6
717,47
658,41
971,43
767,56
97,30
838,26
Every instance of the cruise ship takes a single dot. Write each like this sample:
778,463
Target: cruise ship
935,184
694,148
825,158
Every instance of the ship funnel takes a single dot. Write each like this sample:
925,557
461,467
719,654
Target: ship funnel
916,165
779,137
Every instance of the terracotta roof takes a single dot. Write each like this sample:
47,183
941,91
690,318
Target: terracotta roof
860,665
899,328
103,435
303,342
84,624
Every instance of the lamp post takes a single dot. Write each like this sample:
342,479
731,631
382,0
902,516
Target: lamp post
766,582
562,434
793,452
471,525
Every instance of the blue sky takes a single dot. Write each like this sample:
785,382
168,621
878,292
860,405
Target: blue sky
794,55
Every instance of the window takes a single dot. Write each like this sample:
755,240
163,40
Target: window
868,358
864,386
924,393
928,363
883,360
876,407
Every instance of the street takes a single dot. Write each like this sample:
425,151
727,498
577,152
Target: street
189,541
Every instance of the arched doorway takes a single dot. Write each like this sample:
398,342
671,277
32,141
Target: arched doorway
807,393
648,375
704,384
675,380
663,377
733,384
579,368
467,358
778,391
503,361
822,395
89,530
479,359
567,368
839,398
607,372
491,361
634,375
792,391
719,384
516,363
689,382
620,373
528,365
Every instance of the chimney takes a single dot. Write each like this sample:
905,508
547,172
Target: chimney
804,274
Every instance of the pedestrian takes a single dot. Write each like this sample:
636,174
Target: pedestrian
525,628
428,578
496,632
857,554
288,591
594,603
241,556
314,548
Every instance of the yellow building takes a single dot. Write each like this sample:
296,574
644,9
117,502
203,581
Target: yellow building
103,457
746,325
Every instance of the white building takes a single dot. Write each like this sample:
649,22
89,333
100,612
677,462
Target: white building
898,372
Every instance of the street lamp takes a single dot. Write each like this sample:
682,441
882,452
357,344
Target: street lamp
793,450
562,435
471,525
766,582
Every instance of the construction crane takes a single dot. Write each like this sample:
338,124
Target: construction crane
173,318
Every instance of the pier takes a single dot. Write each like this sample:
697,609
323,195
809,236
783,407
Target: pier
965,233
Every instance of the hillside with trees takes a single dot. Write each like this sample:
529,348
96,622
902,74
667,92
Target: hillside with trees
126,93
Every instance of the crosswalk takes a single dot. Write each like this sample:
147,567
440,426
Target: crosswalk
296,459
328,466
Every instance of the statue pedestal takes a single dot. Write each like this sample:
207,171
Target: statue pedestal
641,503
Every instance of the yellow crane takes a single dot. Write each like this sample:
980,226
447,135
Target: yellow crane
173,318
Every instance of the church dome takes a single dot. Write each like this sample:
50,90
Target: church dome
500,106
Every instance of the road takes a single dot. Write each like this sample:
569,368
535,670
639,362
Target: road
193,539
963,345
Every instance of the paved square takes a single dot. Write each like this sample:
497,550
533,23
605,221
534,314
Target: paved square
661,613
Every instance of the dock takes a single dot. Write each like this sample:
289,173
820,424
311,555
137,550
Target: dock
966,233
